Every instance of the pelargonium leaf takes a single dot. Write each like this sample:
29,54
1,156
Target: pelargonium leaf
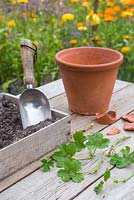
78,177
64,175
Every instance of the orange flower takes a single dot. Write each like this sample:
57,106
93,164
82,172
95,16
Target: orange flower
33,15
108,17
74,41
100,14
96,38
110,11
117,8
110,3
85,4
127,37
79,24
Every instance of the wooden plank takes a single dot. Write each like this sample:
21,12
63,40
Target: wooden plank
53,89
120,85
122,102
56,88
121,191
41,185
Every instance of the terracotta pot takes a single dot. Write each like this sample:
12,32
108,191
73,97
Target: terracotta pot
89,75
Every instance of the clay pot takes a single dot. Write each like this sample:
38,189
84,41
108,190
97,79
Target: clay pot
89,75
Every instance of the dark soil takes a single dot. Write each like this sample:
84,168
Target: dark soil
11,129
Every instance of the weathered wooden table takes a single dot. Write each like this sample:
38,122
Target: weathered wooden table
33,184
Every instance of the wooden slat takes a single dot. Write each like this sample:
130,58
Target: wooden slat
111,191
121,102
54,88
48,186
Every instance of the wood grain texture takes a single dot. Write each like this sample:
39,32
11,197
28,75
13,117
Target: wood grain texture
121,101
112,191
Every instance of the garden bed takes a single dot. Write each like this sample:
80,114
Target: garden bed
21,147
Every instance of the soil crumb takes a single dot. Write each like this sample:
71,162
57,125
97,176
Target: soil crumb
11,129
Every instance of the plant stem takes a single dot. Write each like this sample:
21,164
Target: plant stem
88,127
117,141
96,169
123,180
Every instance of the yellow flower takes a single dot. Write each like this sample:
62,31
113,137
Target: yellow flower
126,14
11,23
85,4
13,2
127,2
67,17
22,1
74,1
127,37
95,19
125,49
82,28
73,41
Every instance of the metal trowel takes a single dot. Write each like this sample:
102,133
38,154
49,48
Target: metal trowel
34,105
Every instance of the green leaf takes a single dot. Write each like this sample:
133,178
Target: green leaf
99,187
124,160
63,174
68,149
79,139
125,151
73,165
107,175
46,165
78,177
96,141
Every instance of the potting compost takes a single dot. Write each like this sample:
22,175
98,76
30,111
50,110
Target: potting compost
11,129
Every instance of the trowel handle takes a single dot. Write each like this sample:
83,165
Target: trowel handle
27,56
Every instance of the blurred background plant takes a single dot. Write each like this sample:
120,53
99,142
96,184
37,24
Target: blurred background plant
59,24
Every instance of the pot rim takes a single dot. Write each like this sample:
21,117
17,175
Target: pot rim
108,65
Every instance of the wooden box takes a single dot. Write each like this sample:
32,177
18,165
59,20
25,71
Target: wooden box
34,146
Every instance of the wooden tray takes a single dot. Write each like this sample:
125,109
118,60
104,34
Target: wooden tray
31,148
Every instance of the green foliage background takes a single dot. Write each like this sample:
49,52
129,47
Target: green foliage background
40,21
